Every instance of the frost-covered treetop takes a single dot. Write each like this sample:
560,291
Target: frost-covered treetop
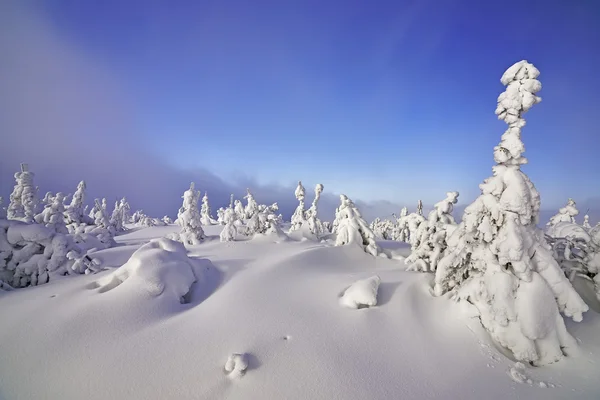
565,214
519,96
443,209
300,192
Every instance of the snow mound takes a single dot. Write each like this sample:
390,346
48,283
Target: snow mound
568,230
362,293
21,232
159,267
236,365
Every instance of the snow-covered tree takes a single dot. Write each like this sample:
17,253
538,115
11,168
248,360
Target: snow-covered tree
189,218
430,242
314,223
205,212
497,258
251,205
53,214
586,222
2,209
75,211
353,229
105,205
565,214
167,220
119,215
23,199
401,231
100,217
420,207
238,207
221,216
229,230
377,227
299,216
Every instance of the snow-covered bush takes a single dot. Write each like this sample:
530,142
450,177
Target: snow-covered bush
362,293
52,216
30,254
75,211
314,223
353,229
565,214
576,251
189,218
586,222
498,260
430,239
299,216
205,212
230,217
167,220
23,199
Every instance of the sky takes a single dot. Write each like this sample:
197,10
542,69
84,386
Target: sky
388,101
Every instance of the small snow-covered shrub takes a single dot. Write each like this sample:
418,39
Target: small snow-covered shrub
362,293
30,254
498,260
565,214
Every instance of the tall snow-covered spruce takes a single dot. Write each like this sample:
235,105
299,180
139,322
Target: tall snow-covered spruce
497,258
353,229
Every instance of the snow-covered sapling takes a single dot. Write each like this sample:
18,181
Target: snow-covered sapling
565,214
189,218
430,238
314,223
353,229
498,260
299,216
229,230
75,211
205,213
586,222
23,199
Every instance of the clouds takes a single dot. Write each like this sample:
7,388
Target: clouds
66,115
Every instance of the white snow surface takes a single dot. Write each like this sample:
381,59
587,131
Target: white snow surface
277,305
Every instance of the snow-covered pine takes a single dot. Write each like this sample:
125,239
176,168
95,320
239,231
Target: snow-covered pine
238,207
189,218
586,222
420,207
23,199
75,211
167,220
314,223
401,231
430,241
577,252
105,205
498,260
220,216
205,212
377,227
229,230
30,253
299,216
251,205
353,229
565,214
120,215
2,209
413,221
53,214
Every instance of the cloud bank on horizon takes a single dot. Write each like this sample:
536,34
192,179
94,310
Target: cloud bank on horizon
71,117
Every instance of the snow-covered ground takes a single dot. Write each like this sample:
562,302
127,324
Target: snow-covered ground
263,320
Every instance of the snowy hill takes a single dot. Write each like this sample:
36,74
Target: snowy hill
278,305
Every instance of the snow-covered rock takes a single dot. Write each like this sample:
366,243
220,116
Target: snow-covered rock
161,267
362,293
236,365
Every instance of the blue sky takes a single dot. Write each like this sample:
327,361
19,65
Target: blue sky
385,100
